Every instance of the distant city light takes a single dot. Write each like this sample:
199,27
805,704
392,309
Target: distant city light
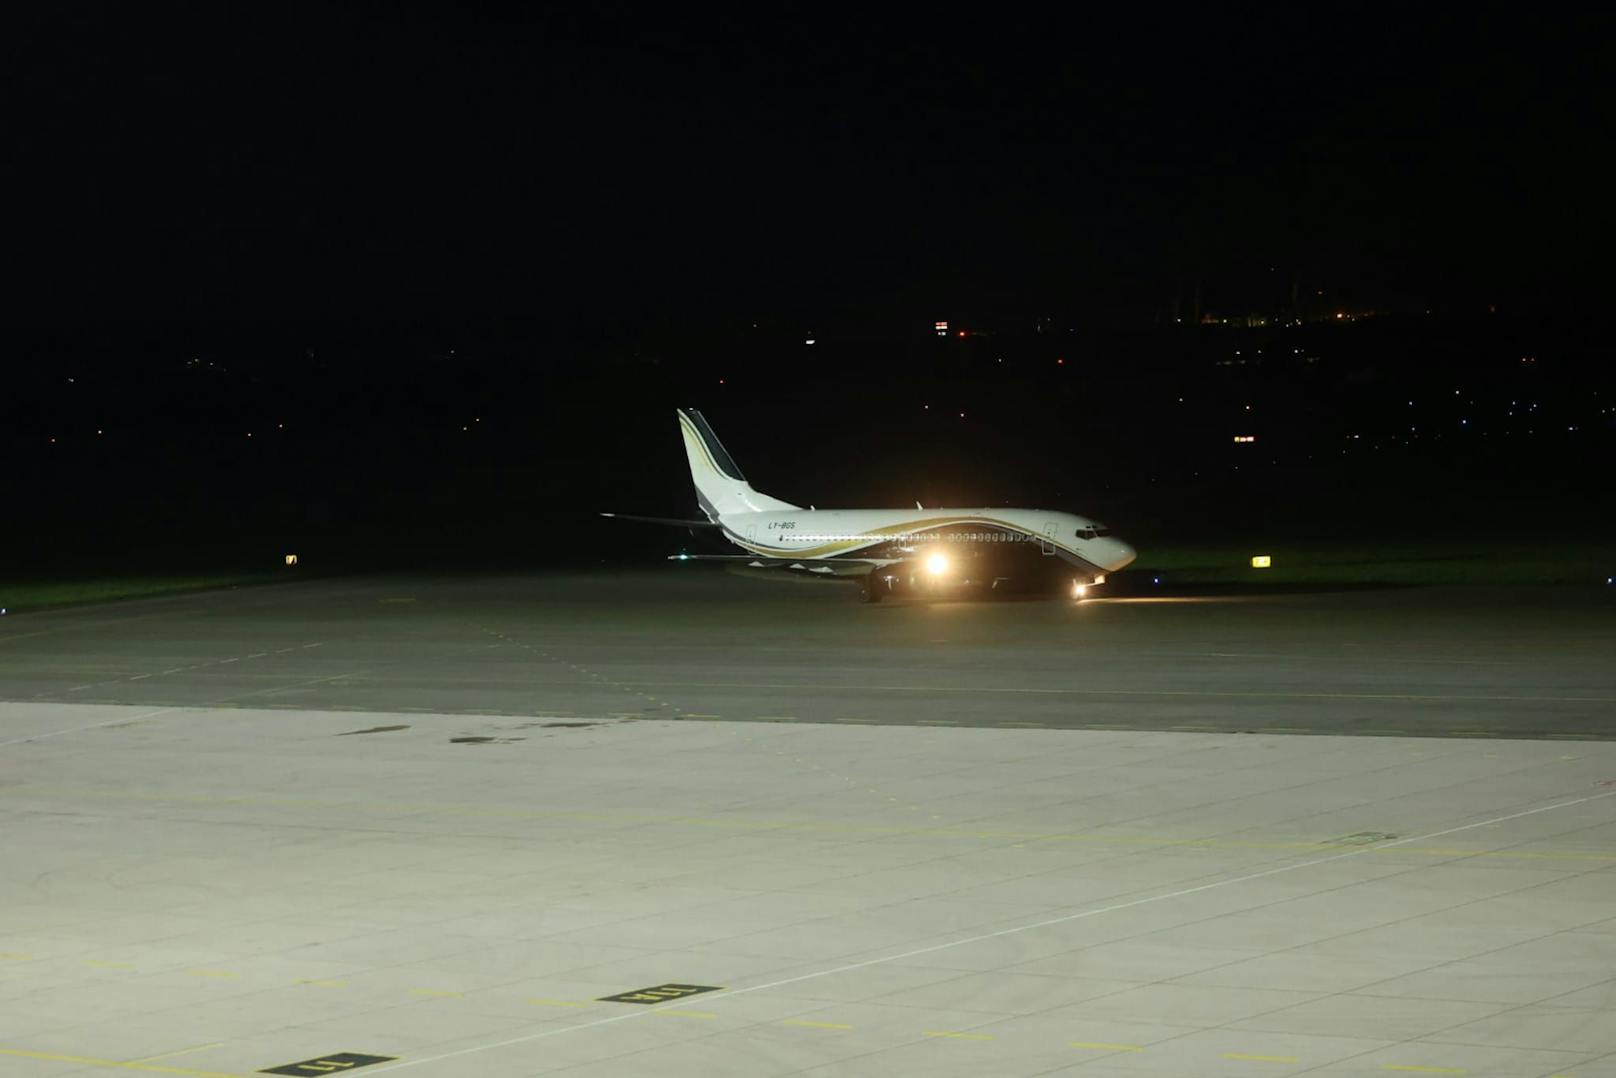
942,328
1261,561
1245,438
810,340
291,559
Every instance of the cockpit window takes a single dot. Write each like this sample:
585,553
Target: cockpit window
1093,531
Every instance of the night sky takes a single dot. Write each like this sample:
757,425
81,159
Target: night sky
800,165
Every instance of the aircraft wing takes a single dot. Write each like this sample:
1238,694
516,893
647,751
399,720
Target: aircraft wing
675,521
818,566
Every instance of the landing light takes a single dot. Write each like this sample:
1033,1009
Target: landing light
1079,590
937,564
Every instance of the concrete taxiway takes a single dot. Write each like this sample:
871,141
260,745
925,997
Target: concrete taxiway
689,642
477,827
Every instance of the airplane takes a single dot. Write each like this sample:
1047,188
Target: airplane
888,551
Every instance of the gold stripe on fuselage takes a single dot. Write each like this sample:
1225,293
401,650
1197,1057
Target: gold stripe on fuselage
879,535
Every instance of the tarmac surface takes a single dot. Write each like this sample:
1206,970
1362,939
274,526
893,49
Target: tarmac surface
690,642
480,826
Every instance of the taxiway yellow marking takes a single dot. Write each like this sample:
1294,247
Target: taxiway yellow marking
1422,1070
313,804
177,1052
1259,1059
936,722
15,956
436,992
558,1003
958,1036
1101,1046
1247,695
91,1061
806,1024
777,718
693,715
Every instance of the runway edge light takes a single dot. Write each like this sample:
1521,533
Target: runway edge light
1261,561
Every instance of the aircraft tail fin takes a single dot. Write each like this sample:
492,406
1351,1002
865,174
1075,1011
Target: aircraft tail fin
720,486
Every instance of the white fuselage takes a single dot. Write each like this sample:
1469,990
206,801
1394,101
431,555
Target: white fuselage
891,535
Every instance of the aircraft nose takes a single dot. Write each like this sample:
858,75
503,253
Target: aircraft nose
1118,555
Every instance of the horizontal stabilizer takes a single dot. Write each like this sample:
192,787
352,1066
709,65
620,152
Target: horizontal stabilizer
674,521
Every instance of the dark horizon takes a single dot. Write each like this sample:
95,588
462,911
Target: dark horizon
375,165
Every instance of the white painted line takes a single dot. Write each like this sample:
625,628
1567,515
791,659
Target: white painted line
1046,923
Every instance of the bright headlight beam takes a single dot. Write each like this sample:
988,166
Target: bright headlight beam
937,564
